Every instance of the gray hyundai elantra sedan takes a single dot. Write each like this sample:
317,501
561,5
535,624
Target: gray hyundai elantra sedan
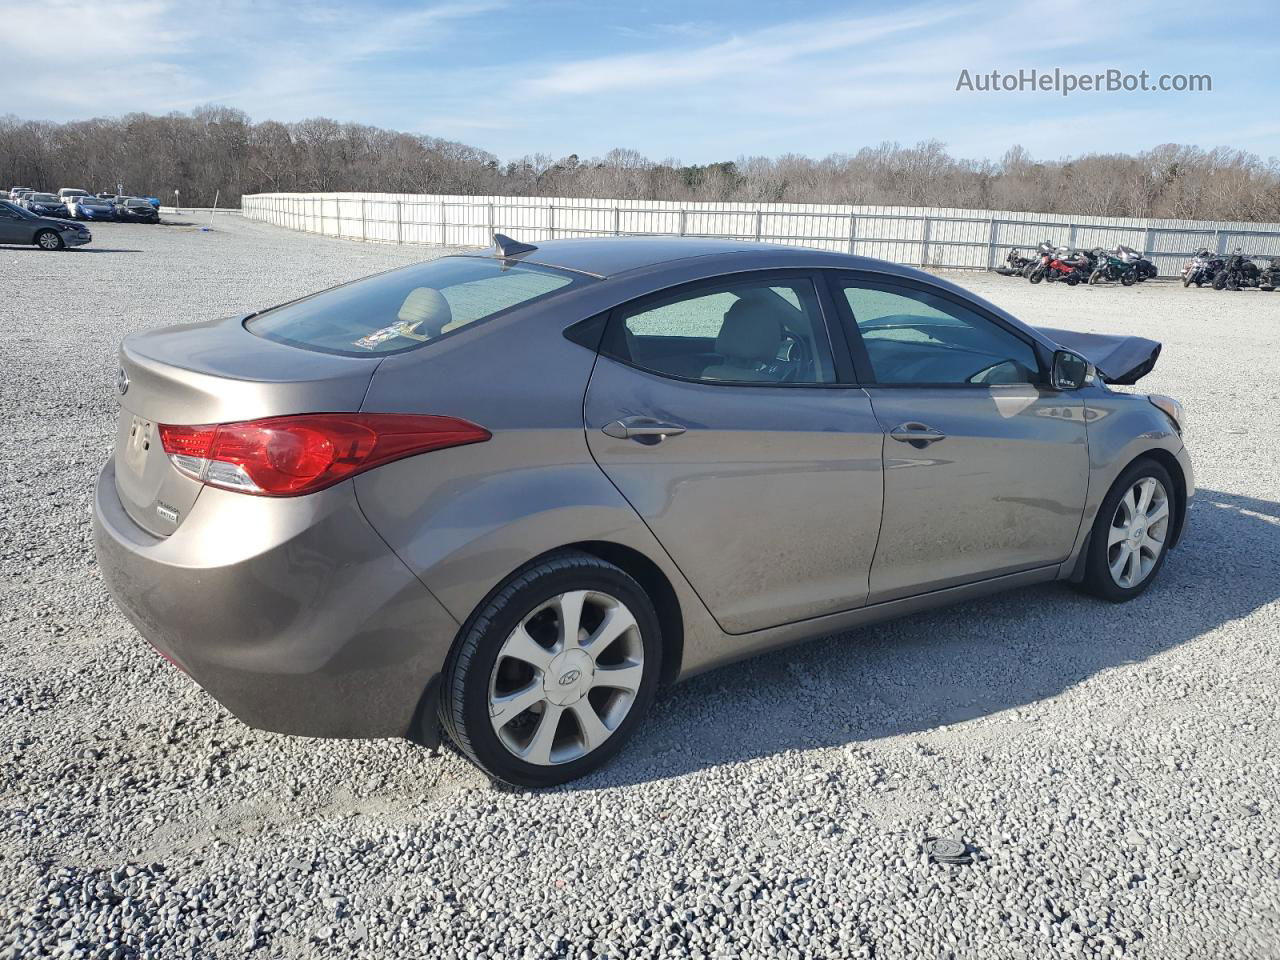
507,494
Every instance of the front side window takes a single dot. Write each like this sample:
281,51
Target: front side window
916,337
743,331
406,308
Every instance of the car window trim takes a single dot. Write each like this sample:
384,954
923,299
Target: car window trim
829,318
836,278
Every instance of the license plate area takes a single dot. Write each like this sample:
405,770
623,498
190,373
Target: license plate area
137,446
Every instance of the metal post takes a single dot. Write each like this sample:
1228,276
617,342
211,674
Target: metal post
853,232
551,220
759,217
617,221
443,232
682,221
1147,238
924,242
364,221
492,224
991,244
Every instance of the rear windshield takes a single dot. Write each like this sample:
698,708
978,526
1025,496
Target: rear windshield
44,197
401,310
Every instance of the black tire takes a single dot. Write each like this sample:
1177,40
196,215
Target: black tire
1186,282
1036,276
1128,279
464,694
1097,579
1072,279
1097,276
1220,281
48,240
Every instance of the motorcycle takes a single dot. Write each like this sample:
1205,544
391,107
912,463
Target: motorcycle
1111,266
1061,264
1269,278
1146,270
1202,268
1238,273
1015,264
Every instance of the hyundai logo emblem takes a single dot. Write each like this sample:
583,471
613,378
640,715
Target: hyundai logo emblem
569,676
122,381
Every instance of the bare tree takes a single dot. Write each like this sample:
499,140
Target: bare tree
216,148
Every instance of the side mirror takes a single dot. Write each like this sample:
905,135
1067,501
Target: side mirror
1070,370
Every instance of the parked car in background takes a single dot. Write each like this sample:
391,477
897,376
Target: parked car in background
136,210
682,452
22,226
44,205
68,194
154,201
91,208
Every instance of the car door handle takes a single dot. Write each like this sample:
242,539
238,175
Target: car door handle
644,429
919,435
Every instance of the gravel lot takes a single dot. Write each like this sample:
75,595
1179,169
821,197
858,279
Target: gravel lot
1114,768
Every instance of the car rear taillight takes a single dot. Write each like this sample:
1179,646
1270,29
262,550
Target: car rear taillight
290,456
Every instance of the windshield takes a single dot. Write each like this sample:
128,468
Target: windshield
44,198
403,309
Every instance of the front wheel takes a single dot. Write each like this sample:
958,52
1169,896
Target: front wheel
49,240
1036,276
1131,533
551,676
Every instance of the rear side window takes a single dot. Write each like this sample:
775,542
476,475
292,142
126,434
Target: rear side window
741,331
404,309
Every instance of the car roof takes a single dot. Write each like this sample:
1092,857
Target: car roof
608,257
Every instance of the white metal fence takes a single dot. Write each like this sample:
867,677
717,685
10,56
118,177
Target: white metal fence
920,236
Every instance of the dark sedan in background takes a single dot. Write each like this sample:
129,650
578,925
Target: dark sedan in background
45,205
136,210
24,227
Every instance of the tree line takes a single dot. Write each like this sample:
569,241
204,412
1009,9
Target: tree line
219,150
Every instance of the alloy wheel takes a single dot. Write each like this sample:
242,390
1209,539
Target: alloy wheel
566,677
1138,532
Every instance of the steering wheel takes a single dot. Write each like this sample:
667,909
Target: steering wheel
796,354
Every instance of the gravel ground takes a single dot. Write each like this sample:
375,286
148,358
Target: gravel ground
1113,769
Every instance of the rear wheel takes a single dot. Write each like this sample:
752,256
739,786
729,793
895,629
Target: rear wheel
1131,533
1128,279
49,240
552,675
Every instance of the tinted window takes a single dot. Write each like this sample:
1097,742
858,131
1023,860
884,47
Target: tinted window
406,308
916,337
743,332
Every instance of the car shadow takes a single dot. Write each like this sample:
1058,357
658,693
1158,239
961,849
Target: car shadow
958,663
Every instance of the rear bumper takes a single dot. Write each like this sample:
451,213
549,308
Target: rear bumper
292,613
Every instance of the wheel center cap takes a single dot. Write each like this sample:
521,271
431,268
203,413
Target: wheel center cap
568,677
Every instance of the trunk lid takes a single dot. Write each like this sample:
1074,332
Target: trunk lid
212,372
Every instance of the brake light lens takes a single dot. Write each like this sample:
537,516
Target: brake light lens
295,455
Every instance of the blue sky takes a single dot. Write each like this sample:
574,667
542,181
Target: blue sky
695,81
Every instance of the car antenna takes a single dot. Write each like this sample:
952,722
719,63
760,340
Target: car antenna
507,247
